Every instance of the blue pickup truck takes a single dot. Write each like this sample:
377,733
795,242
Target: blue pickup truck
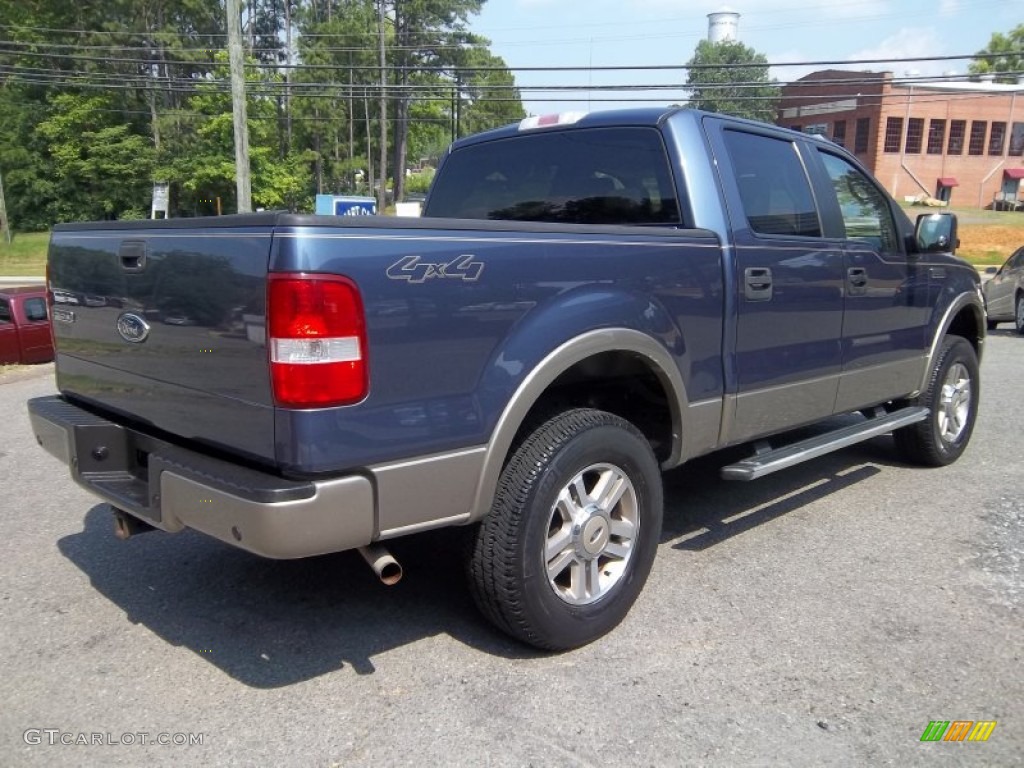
588,300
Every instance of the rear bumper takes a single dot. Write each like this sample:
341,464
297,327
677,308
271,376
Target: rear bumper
173,488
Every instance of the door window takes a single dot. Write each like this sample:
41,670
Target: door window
773,186
865,208
35,310
5,311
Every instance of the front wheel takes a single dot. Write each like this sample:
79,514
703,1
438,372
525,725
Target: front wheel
952,396
1018,315
572,534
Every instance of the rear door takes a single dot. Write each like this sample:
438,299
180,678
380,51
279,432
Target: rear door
789,283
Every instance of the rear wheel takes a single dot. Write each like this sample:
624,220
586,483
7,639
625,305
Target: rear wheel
952,397
573,531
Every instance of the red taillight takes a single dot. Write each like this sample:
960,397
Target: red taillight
316,336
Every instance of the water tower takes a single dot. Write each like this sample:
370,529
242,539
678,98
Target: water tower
723,25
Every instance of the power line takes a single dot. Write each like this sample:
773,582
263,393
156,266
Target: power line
499,68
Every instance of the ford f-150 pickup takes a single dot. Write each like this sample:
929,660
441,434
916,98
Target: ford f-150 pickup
587,300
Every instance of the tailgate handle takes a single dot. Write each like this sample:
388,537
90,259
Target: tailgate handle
133,255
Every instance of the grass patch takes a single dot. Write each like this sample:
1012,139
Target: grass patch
25,256
986,237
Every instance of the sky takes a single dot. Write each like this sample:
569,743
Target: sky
583,33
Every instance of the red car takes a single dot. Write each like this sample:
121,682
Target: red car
25,335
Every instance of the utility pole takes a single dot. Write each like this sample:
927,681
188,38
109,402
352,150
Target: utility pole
243,183
5,225
382,195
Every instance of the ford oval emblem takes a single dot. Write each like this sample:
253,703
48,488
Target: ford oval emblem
132,328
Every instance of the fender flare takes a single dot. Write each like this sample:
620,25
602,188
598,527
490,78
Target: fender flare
961,302
550,368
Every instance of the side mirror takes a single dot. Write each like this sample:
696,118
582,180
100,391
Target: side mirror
991,270
936,232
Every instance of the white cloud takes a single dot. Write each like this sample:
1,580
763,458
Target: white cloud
949,8
908,42
789,74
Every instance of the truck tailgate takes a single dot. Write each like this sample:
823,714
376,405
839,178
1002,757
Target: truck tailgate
163,323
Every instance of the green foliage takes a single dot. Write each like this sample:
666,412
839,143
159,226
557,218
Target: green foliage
142,94
743,91
101,166
492,97
202,164
419,182
1010,59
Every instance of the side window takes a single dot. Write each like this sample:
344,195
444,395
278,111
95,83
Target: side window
5,311
773,186
35,310
866,213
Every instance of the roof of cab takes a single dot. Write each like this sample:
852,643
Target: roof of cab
645,116
22,290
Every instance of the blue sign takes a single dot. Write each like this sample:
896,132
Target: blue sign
345,205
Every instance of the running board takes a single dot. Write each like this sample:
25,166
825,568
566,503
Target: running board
764,463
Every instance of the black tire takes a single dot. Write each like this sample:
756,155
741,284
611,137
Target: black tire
952,396
508,562
1018,315
991,324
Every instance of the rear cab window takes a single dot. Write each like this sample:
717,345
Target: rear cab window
618,176
5,312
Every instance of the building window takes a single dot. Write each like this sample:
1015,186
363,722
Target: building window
977,145
915,135
893,134
996,139
1017,140
936,136
839,132
860,140
957,128
797,128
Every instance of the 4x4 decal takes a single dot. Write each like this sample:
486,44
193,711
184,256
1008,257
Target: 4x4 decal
415,271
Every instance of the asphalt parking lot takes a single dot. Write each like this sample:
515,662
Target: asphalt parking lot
820,616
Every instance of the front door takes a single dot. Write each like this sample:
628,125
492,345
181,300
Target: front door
887,306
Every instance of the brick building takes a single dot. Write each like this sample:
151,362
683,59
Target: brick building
956,140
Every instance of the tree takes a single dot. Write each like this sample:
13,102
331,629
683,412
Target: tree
492,97
102,164
1009,57
718,85
428,33
203,165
